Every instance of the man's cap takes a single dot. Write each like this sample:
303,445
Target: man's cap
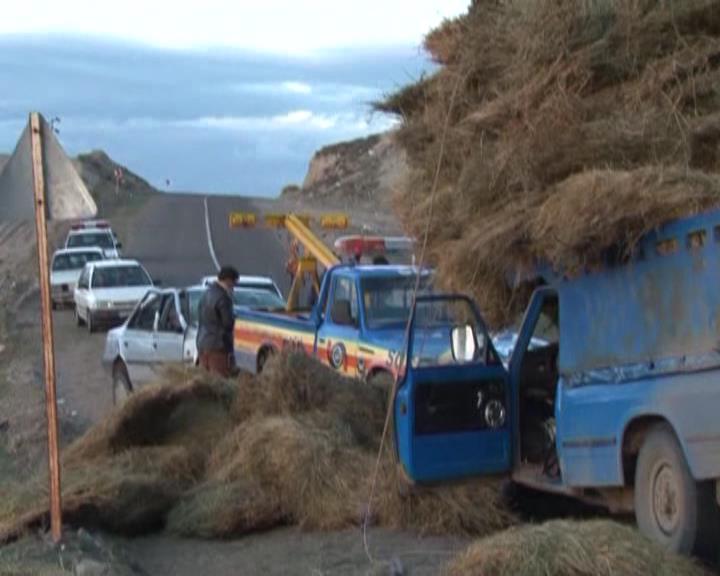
228,273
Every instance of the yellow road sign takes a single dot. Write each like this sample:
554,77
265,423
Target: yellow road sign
337,221
242,219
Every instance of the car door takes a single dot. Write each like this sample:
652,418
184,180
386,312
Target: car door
169,336
452,408
81,293
338,335
138,340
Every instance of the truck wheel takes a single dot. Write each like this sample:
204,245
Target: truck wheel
78,320
263,356
121,384
670,507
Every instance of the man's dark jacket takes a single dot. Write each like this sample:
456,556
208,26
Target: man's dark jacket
215,332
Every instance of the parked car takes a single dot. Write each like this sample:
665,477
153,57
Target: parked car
159,331
108,291
67,265
162,330
102,238
250,282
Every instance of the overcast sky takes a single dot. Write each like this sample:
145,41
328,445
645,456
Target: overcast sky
300,27
222,96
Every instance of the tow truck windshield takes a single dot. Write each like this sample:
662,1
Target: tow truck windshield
388,300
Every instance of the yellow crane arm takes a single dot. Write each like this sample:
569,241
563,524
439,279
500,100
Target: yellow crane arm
314,246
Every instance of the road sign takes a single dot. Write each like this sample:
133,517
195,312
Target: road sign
242,219
337,221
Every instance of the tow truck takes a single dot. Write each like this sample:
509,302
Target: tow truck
358,322
611,393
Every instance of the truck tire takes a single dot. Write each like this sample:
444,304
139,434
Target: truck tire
263,356
121,384
382,379
670,506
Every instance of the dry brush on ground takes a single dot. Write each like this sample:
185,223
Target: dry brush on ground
207,457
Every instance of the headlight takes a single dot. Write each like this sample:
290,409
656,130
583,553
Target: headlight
495,414
103,304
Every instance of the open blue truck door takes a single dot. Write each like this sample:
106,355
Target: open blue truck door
453,407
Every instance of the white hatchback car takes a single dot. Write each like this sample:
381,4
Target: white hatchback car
108,291
102,238
67,265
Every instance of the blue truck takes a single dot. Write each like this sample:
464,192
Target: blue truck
356,327
611,394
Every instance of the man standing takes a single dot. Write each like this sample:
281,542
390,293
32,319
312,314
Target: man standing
215,332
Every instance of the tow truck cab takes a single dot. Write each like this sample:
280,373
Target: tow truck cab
611,393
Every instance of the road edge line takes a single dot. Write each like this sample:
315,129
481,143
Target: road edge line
211,246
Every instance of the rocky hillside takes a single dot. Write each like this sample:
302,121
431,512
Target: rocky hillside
363,172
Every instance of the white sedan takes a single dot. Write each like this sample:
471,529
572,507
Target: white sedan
67,265
108,291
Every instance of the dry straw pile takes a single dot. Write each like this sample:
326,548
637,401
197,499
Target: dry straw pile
212,458
559,548
573,127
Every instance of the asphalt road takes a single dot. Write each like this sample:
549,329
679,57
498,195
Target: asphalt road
169,237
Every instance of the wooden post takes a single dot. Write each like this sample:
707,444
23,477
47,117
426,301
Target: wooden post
47,326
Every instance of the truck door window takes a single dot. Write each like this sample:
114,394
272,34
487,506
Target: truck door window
432,335
345,291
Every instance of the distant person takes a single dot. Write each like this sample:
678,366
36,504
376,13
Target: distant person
216,322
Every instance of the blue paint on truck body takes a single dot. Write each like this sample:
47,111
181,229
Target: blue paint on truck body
638,340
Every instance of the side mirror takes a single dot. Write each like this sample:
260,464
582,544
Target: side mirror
157,282
118,245
464,345
341,313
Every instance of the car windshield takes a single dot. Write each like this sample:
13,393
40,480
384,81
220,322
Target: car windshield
388,300
76,261
263,297
120,276
99,239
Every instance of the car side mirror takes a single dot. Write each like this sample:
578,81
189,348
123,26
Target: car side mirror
157,282
464,345
118,245
341,313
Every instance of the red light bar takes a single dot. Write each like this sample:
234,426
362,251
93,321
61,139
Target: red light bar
360,245
90,224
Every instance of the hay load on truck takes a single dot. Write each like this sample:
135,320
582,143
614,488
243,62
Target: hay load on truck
615,403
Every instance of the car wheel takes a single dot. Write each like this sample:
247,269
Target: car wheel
78,319
90,322
670,507
121,384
